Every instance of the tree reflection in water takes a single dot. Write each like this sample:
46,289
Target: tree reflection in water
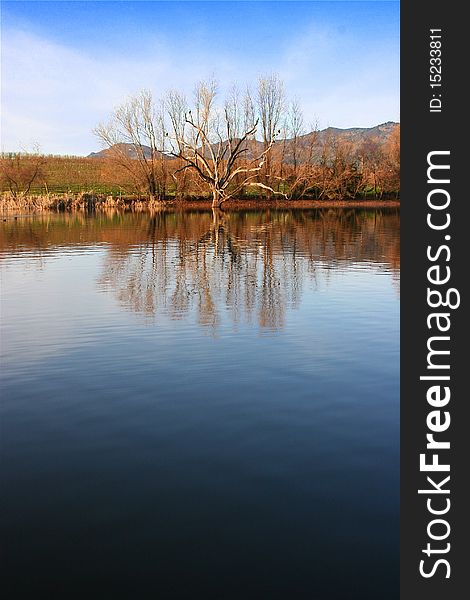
249,265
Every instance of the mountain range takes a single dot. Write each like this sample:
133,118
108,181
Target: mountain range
355,137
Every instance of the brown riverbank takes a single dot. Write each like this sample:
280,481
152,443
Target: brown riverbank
83,202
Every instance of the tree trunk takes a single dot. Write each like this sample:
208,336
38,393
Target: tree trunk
217,198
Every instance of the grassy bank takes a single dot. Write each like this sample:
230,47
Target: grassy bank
71,202
85,202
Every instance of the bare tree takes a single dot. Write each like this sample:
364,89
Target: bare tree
304,155
176,107
392,162
295,128
271,104
19,170
217,143
134,137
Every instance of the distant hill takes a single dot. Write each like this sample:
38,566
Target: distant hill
356,137
127,149
379,133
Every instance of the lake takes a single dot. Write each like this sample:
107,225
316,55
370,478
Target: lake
200,405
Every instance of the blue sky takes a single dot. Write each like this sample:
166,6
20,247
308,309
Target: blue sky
66,65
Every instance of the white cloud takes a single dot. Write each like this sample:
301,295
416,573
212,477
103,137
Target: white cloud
55,95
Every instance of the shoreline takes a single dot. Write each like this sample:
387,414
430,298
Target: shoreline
90,203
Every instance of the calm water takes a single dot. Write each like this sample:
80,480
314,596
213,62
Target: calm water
201,407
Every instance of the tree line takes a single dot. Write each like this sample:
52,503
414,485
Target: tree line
245,144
